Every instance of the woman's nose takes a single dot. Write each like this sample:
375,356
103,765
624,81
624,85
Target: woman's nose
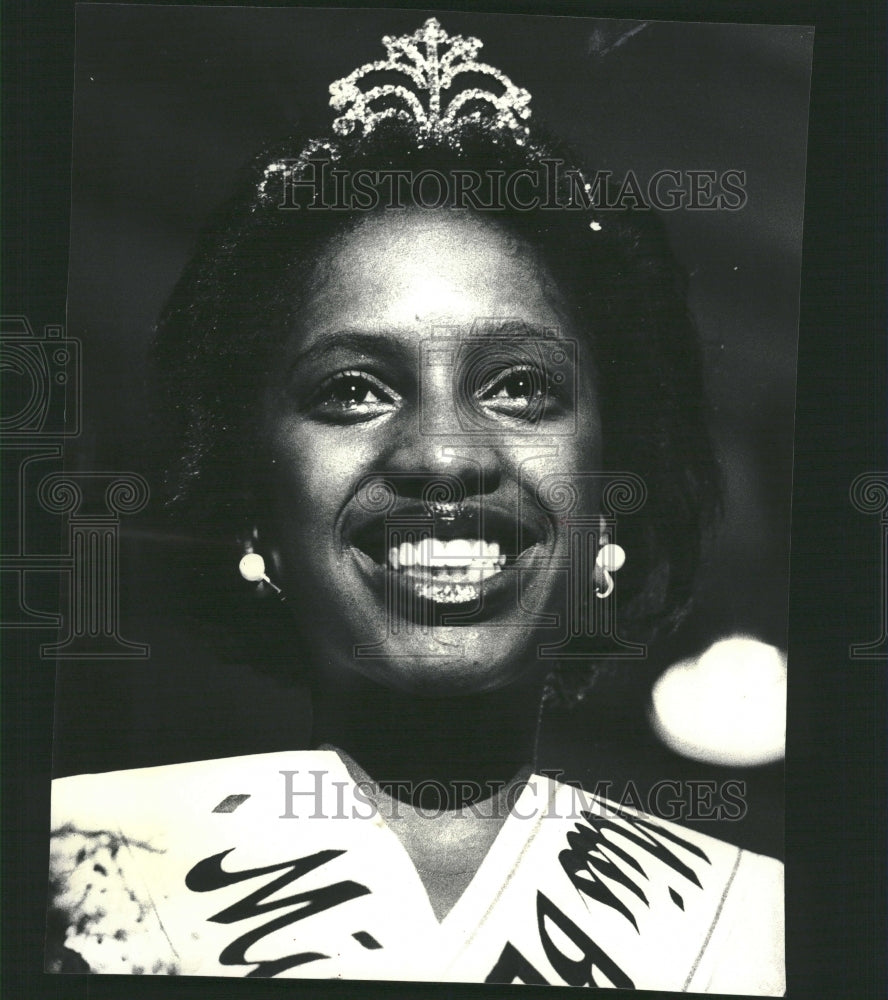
432,441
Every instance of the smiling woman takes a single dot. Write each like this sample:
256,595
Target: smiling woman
412,416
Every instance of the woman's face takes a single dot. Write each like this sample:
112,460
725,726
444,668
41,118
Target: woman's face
434,382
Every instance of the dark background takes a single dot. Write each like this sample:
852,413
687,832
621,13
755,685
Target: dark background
155,146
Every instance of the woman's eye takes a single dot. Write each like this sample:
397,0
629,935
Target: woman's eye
351,397
519,392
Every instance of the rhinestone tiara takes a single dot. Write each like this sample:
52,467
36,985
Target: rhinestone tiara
431,60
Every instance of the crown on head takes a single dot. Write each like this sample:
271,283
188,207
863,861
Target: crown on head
431,60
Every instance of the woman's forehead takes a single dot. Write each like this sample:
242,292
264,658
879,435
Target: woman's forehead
421,269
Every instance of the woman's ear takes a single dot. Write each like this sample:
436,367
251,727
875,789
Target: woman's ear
603,538
247,539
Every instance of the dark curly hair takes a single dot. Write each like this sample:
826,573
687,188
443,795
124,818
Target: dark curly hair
220,333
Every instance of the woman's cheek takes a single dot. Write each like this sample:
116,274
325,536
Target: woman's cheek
319,468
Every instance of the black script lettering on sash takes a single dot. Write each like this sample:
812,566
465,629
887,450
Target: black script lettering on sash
650,842
209,874
512,965
585,863
580,971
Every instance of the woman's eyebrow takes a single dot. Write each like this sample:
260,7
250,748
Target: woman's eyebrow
385,347
389,346
513,327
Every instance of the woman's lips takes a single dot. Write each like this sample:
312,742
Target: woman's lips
418,561
485,583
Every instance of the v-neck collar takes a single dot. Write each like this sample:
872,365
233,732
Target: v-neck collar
480,897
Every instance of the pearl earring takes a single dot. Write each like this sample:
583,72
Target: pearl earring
610,558
252,569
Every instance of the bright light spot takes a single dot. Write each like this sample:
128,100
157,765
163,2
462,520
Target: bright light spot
728,706
595,225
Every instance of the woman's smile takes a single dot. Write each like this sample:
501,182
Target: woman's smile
434,377
468,557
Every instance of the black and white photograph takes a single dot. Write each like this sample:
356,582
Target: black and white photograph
405,518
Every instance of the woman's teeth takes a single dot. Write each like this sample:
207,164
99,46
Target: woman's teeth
459,560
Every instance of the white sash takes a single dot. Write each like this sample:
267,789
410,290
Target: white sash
278,864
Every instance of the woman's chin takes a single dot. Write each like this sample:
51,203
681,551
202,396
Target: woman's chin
443,662
429,634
